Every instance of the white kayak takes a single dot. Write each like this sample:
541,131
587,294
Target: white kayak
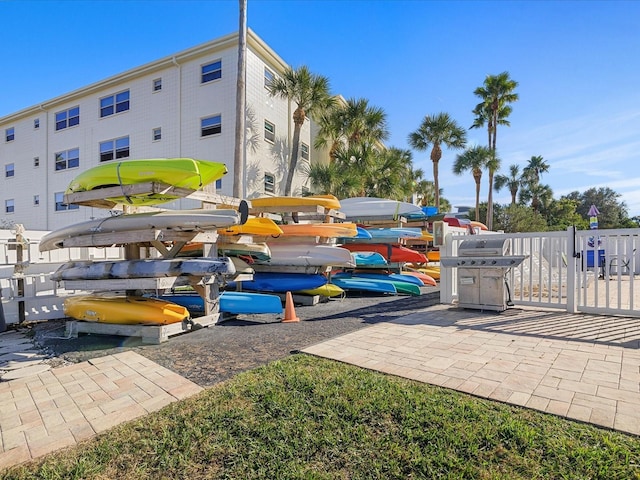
146,268
175,220
361,207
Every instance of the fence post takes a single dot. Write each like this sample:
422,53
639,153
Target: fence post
446,277
572,269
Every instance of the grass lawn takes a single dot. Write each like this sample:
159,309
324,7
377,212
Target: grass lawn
306,417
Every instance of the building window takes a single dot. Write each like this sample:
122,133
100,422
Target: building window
116,148
36,162
269,131
67,159
36,123
211,126
269,183
36,200
212,71
114,104
10,134
157,85
156,134
9,170
268,77
218,184
67,118
9,206
61,206
304,151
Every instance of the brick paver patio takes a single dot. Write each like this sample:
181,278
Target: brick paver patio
583,367
57,408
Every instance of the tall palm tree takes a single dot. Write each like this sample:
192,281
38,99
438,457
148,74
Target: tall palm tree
512,182
493,165
310,92
435,131
474,159
496,95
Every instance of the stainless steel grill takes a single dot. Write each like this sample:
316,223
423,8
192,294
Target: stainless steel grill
482,266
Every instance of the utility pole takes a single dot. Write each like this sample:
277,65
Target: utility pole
241,101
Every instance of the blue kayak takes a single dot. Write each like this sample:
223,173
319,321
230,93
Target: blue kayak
281,282
365,285
230,302
368,259
382,276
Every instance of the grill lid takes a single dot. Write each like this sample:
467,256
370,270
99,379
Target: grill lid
493,247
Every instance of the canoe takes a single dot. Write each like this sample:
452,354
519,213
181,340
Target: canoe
400,277
174,220
127,310
145,268
328,230
391,252
177,172
362,207
230,302
368,259
326,290
365,285
326,201
308,254
253,226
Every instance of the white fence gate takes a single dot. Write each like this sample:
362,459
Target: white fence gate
592,271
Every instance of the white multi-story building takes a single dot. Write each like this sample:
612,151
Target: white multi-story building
182,105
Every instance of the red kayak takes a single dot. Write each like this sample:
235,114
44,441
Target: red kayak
392,252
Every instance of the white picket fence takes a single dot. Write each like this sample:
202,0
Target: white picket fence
592,271
26,290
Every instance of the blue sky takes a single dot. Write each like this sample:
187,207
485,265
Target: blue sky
576,62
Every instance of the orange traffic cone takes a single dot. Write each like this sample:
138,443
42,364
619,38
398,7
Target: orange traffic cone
289,310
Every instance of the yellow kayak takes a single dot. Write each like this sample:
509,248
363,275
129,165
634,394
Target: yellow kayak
327,290
326,201
253,226
123,310
433,255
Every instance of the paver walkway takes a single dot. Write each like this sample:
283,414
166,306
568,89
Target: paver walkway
57,408
583,367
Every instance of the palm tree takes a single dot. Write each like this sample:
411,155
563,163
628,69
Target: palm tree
436,131
535,168
474,159
512,182
493,165
351,123
310,92
494,109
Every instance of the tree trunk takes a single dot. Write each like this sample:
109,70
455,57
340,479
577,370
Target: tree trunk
298,120
490,203
435,184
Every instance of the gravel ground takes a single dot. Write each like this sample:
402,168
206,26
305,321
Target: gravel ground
211,355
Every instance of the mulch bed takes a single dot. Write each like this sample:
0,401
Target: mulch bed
214,354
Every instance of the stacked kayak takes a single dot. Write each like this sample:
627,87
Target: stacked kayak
125,310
